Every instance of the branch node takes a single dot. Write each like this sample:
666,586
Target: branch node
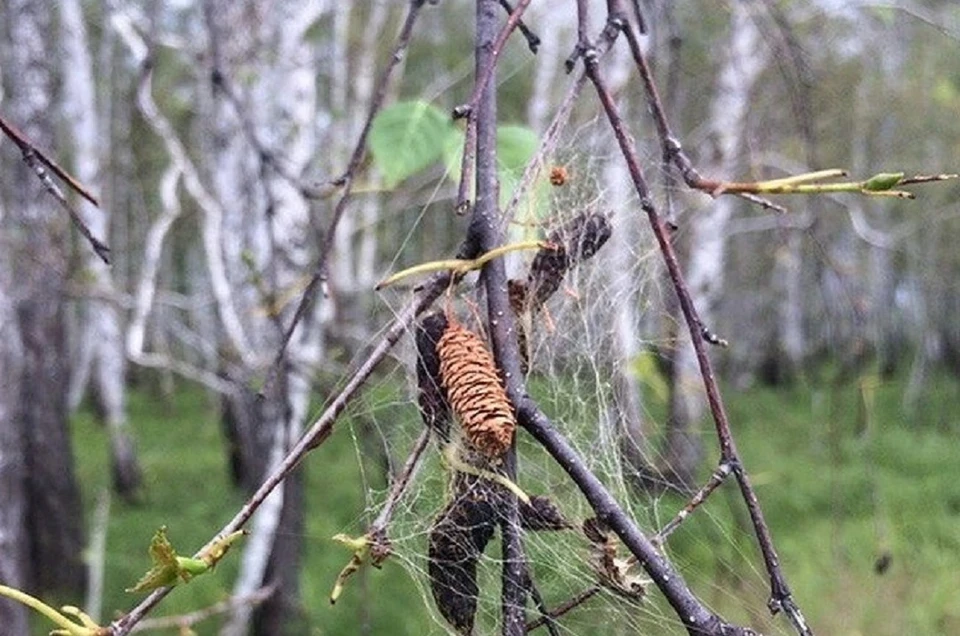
713,338
578,50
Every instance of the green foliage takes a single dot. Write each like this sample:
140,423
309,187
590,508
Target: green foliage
408,137
170,569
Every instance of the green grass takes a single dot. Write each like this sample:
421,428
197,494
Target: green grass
839,490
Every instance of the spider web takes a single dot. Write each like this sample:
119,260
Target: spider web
576,352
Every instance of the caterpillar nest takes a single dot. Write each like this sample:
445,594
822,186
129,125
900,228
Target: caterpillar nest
431,397
469,376
458,537
575,241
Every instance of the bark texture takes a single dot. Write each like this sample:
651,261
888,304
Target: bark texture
36,373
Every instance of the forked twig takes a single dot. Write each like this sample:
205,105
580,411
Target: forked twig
39,162
563,608
533,40
374,546
468,160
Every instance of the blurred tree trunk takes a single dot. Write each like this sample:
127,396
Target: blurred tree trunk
707,243
628,414
99,331
14,542
263,139
35,234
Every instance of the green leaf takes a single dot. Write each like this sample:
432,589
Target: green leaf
165,567
516,145
406,138
170,569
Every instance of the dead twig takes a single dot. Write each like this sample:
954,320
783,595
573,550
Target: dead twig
39,162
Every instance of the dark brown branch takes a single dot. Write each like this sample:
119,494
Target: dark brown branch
39,163
781,598
484,233
319,276
468,160
695,616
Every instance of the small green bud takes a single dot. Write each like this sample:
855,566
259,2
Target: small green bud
883,181
193,567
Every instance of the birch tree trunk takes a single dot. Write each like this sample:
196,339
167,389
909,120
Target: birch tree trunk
266,239
707,243
35,232
99,331
14,542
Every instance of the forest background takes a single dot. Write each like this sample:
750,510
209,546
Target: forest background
214,134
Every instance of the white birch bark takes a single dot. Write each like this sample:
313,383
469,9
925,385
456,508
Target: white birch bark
99,331
13,527
34,250
283,109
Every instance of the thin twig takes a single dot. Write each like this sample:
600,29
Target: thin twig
563,608
550,136
400,484
480,86
24,144
39,163
346,180
717,478
468,160
540,604
533,40
183,621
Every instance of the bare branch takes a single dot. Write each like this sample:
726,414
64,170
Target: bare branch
185,621
564,607
39,162
781,597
